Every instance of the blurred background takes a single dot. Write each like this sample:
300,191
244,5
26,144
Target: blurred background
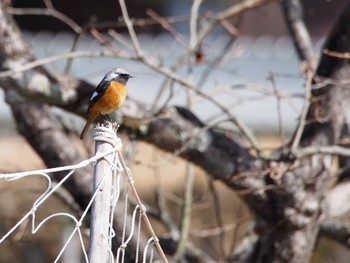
261,49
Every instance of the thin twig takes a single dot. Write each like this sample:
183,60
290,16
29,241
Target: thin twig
48,4
229,27
240,125
167,26
186,213
75,43
218,217
234,10
239,219
279,109
105,41
221,16
142,22
69,62
192,47
294,17
47,60
302,120
130,27
163,211
46,12
333,150
120,38
217,61
168,99
344,55
142,207
193,24
168,80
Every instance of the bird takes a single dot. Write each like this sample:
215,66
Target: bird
109,95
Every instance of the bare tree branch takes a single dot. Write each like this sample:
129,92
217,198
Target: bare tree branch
49,11
294,17
167,26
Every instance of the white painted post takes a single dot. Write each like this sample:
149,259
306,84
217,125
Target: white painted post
100,212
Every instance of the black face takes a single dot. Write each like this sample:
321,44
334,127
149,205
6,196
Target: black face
125,76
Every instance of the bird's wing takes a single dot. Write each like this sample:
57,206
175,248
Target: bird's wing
100,90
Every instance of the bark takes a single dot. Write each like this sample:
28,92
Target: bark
179,130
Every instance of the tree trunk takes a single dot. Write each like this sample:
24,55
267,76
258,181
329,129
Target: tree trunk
298,208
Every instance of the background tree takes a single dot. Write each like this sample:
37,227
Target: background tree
293,194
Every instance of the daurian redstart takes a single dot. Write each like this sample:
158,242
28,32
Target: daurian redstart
108,96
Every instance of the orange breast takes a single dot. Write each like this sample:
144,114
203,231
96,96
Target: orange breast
113,98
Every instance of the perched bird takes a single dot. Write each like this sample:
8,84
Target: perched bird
108,96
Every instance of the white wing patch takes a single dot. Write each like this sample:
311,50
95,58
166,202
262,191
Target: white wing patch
93,95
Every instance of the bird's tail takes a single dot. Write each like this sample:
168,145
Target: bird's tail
90,119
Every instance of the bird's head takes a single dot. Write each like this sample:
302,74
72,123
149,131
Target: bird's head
119,75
